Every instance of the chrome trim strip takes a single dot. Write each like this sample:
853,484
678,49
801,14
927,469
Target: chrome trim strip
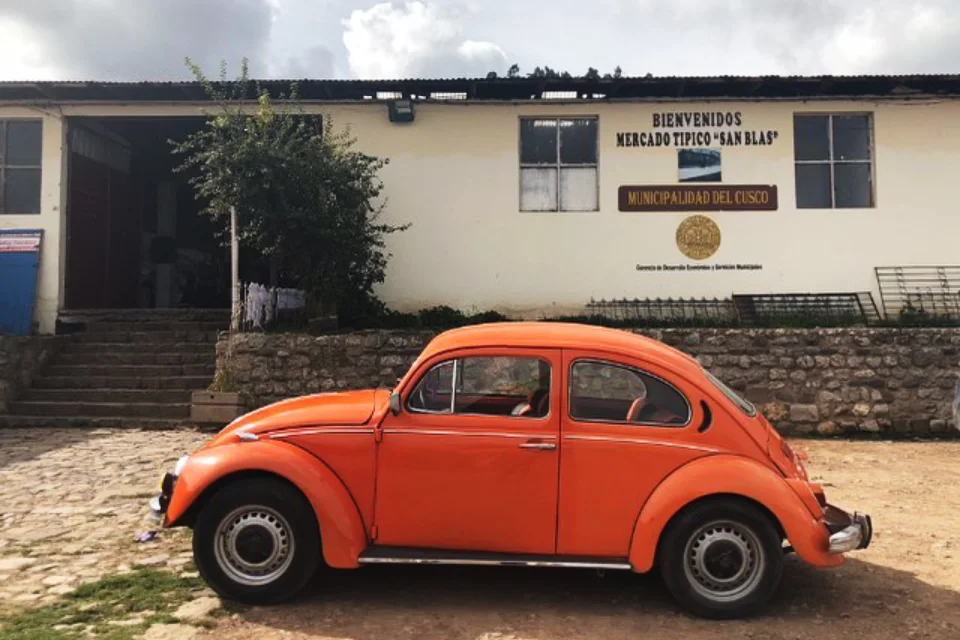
655,443
488,434
247,437
612,566
453,386
320,431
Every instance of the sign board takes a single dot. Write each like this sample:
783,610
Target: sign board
698,198
20,241
19,265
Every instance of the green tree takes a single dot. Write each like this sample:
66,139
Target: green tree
549,74
304,196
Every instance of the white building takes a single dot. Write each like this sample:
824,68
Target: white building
527,196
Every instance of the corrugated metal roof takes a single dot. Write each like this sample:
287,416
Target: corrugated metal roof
512,89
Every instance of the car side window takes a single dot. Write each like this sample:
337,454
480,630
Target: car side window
485,385
608,392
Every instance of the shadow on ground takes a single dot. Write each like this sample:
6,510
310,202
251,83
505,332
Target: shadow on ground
22,445
859,600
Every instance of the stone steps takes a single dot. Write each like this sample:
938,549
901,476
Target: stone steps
98,422
155,327
102,409
166,396
136,371
124,368
106,348
92,317
152,337
128,358
121,382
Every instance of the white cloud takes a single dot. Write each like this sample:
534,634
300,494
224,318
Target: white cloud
147,39
26,60
415,39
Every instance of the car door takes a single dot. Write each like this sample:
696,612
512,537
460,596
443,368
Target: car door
471,461
626,425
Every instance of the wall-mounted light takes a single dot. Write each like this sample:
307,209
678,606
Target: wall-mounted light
401,110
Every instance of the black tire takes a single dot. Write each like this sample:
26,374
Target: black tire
247,520
721,558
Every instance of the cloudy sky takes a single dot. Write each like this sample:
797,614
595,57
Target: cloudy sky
148,39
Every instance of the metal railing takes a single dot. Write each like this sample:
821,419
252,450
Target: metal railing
671,311
807,308
932,290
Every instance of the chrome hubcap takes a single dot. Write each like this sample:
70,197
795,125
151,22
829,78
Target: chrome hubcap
724,561
254,545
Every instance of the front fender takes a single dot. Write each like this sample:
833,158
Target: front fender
731,475
341,527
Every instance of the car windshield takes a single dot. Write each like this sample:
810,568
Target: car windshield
744,405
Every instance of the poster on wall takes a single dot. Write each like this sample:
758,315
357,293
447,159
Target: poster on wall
699,165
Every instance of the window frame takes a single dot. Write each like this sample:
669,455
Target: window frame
832,162
456,360
559,165
632,369
5,166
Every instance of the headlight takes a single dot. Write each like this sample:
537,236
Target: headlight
181,463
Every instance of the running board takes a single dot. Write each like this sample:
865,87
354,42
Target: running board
407,555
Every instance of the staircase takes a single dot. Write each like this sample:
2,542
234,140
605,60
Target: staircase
126,368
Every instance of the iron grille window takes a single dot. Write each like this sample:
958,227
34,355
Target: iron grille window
833,156
558,164
20,156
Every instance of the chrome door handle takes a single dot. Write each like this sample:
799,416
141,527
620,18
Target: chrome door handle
539,446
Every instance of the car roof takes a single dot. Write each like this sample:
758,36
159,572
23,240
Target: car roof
557,335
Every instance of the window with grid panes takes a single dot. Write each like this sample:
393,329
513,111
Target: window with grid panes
833,155
20,156
558,164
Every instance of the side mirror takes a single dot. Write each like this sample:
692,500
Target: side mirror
395,403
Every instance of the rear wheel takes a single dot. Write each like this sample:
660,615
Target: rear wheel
257,541
722,559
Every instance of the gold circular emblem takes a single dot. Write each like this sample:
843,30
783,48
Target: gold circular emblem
698,237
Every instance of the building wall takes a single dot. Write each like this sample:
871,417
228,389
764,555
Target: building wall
886,382
883,382
454,174
51,216
21,357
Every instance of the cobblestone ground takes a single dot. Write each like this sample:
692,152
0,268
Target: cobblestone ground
72,503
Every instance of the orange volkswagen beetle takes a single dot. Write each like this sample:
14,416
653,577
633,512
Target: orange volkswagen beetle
524,443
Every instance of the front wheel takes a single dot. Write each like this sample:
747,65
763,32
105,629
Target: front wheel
722,559
257,541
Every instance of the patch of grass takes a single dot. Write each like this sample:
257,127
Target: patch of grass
153,595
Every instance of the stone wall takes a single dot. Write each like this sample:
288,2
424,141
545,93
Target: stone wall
891,382
20,358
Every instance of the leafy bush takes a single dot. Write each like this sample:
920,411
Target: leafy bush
304,196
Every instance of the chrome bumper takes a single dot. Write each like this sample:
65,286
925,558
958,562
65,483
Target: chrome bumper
158,504
156,511
856,535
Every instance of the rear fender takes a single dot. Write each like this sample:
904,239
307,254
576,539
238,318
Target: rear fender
729,475
341,527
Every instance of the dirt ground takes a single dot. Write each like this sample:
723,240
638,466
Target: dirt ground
906,585
71,503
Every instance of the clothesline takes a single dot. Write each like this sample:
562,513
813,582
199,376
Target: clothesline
262,304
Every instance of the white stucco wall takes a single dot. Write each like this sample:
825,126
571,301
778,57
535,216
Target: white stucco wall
50,218
454,173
